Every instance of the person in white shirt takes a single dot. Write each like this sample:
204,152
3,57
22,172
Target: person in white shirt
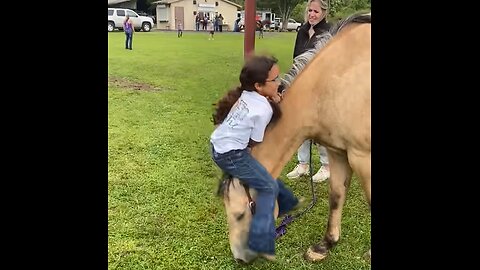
210,29
241,117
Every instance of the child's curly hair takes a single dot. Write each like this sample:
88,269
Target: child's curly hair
255,70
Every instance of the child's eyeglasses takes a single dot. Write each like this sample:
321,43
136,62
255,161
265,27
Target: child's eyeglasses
276,79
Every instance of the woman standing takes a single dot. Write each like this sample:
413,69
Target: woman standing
128,28
315,24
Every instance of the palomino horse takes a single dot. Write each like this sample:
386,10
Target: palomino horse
328,100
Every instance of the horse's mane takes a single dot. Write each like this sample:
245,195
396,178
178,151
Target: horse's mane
224,185
303,59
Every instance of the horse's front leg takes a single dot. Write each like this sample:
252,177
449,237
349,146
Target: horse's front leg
340,176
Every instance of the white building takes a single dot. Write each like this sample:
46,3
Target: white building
171,13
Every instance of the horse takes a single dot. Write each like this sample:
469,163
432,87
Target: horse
327,100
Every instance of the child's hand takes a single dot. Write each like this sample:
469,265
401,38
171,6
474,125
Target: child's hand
276,98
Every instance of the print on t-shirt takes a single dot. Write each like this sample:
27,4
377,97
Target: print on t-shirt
238,113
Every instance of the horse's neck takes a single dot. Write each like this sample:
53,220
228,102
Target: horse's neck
282,140
299,120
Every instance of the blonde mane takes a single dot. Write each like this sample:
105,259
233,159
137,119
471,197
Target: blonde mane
303,59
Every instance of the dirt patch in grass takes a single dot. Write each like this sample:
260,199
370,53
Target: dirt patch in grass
126,83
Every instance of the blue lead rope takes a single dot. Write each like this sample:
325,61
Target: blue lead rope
282,228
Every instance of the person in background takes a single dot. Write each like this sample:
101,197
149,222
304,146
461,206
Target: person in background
179,30
259,28
210,30
204,21
197,22
220,22
236,26
315,24
128,29
215,23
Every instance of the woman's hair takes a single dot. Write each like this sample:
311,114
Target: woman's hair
255,70
323,6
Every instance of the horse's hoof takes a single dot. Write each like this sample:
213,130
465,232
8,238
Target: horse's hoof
368,255
315,254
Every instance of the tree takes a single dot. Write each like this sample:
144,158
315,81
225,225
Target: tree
342,8
298,13
240,2
285,8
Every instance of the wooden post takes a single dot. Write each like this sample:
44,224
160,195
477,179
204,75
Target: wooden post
250,25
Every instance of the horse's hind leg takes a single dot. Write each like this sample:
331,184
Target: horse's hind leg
340,176
361,165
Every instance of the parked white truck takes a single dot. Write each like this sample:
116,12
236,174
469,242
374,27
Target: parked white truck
116,16
291,26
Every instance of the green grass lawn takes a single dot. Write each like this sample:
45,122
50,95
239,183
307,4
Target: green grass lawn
163,212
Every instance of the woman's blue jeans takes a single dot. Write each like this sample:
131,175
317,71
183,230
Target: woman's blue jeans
128,40
240,164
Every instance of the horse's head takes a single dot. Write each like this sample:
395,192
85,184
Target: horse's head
239,217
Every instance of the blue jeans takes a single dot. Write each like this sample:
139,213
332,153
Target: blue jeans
240,164
128,40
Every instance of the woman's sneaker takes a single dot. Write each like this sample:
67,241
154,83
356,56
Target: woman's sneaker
322,175
300,170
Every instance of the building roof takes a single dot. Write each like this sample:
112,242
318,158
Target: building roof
232,3
173,1
165,1
111,2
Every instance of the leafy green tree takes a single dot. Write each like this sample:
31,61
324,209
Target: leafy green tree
240,2
341,8
285,9
295,8
299,12
282,8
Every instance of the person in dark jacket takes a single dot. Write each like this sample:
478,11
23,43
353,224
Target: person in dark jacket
315,24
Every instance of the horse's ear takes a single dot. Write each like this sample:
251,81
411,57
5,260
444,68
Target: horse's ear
224,183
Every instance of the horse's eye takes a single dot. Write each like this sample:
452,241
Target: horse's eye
239,217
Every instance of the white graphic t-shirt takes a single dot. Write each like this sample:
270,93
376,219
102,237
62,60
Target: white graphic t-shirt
247,119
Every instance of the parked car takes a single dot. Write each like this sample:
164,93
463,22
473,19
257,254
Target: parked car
143,13
292,24
116,16
275,24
